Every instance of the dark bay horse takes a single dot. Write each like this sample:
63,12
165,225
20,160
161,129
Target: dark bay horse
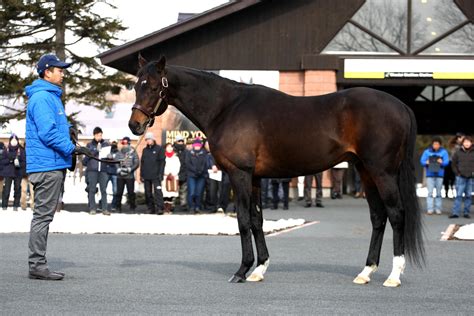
256,132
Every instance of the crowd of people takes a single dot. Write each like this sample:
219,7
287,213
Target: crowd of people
185,178
439,164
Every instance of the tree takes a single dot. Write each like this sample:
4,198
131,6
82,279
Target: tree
29,29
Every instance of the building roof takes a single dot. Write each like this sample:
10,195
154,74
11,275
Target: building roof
186,22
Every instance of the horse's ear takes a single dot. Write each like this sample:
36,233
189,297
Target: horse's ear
141,61
161,64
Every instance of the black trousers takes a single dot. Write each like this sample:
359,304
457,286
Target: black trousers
212,189
130,183
224,191
16,191
154,195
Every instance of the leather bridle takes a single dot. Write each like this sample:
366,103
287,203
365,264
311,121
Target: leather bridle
144,110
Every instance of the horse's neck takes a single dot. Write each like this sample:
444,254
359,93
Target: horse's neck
197,95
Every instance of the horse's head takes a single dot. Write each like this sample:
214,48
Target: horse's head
150,90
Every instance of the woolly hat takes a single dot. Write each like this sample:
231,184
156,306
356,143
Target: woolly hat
149,135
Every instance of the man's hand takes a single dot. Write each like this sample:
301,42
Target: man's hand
79,150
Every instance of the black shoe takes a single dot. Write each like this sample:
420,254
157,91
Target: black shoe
46,275
160,212
274,207
453,216
300,198
285,207
333,196
319,205
307,205
467,216
339,196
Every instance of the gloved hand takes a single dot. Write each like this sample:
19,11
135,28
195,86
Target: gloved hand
73,135
79,150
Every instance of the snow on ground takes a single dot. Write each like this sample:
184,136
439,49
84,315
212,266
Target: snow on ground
83,223
465,232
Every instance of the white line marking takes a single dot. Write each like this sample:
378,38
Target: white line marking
292,228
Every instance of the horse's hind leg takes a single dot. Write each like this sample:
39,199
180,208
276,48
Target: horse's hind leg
242,185
378,217
389,192
257,230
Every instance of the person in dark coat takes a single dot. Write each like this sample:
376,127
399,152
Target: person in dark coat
2,148
13,162
196,168
152,165
126,173
179,147
463,167
96,173
111,169
285,184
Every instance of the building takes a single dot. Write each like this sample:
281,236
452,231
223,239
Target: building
421,51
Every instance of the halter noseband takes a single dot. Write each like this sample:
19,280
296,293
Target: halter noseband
144,110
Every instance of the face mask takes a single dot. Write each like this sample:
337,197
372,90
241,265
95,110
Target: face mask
14,142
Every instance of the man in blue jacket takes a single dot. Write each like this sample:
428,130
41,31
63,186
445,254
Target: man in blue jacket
48,155
435,158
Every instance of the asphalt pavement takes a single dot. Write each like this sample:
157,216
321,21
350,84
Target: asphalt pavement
311,271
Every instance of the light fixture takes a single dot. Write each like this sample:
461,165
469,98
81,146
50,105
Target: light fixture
429,19
424,1
433,33
437,49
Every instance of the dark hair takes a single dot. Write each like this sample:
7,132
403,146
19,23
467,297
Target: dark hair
41,75
97,130
468,138
436,139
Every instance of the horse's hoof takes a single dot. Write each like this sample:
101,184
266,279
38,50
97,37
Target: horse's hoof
391,283
255,277
236,279
360,279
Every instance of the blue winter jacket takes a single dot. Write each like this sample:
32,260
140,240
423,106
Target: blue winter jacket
48,145
442,153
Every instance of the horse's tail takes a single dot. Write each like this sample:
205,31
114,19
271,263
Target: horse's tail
413,229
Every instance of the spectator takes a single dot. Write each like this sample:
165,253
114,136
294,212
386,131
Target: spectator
300,187
212,185
179,147
27,193
126,173
111,169
151,174
358,190
435,158
2,148
449,176
96,173
196,168
224,194
308,184
463,167
285,184
337,175
48,155
264,185
13,163
170,183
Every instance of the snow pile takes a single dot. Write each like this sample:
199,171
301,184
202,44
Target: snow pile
83,223
465,232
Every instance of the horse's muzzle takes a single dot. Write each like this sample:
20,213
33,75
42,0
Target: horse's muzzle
136,128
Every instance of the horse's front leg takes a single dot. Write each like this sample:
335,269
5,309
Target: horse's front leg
256,219
242,184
